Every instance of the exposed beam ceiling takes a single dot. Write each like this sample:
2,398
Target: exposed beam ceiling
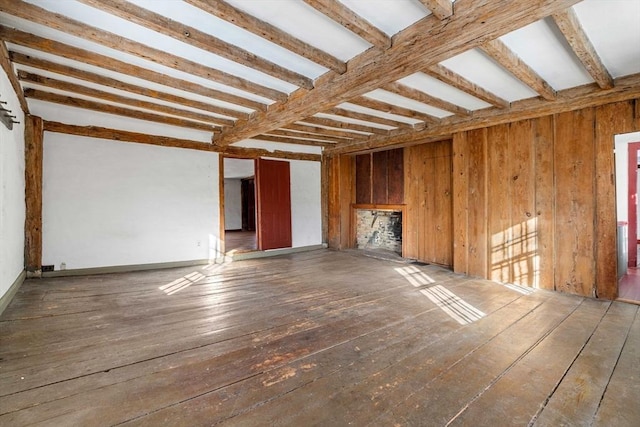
568,23
344,75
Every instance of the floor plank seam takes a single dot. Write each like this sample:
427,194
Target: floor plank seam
604,392
566,371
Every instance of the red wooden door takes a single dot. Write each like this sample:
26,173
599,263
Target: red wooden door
274,204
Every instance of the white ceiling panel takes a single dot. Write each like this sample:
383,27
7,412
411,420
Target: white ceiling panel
613,26
389,16
382,114
196,18
542,46
107,22
401,101
443,91
354,121
476,67
307,24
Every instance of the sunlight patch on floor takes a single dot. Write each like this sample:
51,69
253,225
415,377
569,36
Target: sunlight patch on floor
182,283
461,311
414,276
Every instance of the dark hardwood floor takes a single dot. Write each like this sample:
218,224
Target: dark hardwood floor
316,338
240,241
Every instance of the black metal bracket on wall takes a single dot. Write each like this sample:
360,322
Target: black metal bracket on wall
6,117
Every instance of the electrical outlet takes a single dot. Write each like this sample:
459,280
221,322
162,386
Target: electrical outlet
47,268
198,243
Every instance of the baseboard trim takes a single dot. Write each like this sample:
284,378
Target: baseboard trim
6,299
272,252
125,268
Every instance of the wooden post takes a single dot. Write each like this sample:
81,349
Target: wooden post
324,197
33,137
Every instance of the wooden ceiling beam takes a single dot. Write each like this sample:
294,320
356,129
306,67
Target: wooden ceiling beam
367,117
111,97
418,47
386,107
32,41
353,22
440,8
289,140
269,32
116,110
591,95
43,64
516,66
325,131
199,39
417,95
569,25
114,41
307,135
324,121
447,76
163,141
5,63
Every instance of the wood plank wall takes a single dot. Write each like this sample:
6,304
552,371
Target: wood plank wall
428,217
379,177
534,200
341,171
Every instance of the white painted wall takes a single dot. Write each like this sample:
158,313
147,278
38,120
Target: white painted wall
622,175
12,207
232,204
108,203
306,212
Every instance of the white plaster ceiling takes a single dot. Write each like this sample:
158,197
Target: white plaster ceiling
612,26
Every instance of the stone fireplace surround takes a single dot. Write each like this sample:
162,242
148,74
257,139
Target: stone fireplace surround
378,227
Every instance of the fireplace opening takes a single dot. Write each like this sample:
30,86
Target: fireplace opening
379,230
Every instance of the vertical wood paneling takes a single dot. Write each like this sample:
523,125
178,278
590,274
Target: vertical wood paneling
324,197
477,242
543,136
575,207
395,172
33,138
443,205
379,172
611,119
498,201
523,221
428,213
363,178
347,197
333,204
460,175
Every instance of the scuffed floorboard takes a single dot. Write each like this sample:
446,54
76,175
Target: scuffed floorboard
314,338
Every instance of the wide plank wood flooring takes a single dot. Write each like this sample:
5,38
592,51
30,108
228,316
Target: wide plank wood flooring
317,338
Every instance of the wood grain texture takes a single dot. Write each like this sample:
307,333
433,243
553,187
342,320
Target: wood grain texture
499,199
379,178
33,41
460,181
516,66
114,41
5,63
477,237
591,95
248,342
351,21
610,120
199,39
440,8
523,221
269,32
116,110
568,23
33,159
575,207
363,179
543,140
395,176
476,21
77,89
163,141
417,95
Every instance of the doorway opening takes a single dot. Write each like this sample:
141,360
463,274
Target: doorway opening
256,205
239,206
627,155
